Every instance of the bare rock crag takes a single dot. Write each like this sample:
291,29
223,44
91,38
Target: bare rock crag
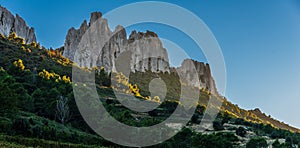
146,51
10,23
198,74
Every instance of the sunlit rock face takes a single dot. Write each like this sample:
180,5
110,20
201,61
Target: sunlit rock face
197,74
94,44
148,52
10,24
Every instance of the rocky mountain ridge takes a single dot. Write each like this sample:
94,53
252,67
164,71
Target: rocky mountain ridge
146,51
272,121
117,44
10,23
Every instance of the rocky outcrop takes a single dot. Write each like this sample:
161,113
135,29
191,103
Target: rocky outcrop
148,52
10,23
94,44
72,40
197,74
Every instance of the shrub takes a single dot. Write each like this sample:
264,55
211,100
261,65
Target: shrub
219,140
257,142
33,44
276,144
195,119
12,36
239,121
32,142
22,127
19,40
5,125
241,131
19,64
9,96
218,125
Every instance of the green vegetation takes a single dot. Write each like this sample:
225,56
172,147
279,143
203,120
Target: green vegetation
220,140
189,138
218,125
21,142
36,90
257,143
241,132
276,144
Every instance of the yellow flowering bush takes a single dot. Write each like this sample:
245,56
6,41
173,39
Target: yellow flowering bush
33,44
63,61
135,90
13,37
156,99
19,64
122,84
28,50
51,75
66,79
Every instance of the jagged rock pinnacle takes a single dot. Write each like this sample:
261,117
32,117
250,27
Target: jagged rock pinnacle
10,24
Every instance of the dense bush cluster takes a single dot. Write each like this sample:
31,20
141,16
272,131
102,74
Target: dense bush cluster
51,75
241,132
189,138
257,143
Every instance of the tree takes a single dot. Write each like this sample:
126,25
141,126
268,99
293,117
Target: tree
241,131
104,78
276,134
225,117
276,144
25,101
39,101
257,143
185,138
219,140
218,125
13,92
9,97
62,110
290,141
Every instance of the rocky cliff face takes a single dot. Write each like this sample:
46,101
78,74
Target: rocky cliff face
94,44
10,23
197,74
148,52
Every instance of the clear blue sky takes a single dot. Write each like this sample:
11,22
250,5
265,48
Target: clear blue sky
260,40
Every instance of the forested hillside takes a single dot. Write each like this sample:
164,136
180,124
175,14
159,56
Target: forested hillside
35,82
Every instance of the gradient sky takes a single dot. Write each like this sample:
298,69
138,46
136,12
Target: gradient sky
260,40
